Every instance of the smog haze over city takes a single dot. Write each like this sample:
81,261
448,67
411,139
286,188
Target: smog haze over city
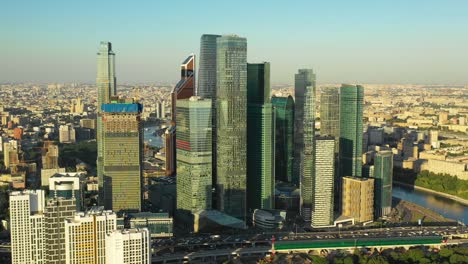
422,42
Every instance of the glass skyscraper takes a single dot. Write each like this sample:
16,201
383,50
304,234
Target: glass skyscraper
231,107
122,141
260,139
284,137
383,173
107,87
304,130
193,157
351,130
304,118
207,89
330,114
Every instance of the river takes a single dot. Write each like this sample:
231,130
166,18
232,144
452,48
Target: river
151,139
444,206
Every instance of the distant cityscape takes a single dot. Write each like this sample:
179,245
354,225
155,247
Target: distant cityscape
226,166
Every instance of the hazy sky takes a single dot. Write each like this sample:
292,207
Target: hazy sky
383,41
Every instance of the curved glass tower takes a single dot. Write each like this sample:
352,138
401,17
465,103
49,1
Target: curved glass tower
284,137
231,107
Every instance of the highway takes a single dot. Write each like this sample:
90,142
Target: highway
168,249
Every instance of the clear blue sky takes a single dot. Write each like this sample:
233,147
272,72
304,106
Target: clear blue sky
399,41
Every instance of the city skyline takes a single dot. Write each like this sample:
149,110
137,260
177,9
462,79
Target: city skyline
368,42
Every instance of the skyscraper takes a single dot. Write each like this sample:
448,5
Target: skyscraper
27,226
207,71
383,173
57,210
184,89
351,130
194,185
107,87
207,89
323,182
304,130
231,107
284,137
85,235
330,114
260,139
122,155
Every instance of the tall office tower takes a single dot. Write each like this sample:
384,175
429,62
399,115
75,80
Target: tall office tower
50,155
57,210
193,157
323,182
85,235
304,93
231,107
184,89
260,139
284,137
358,198
107,87
330,114
304,130
351,130
383,173
128,246
207,89
27,226
122,142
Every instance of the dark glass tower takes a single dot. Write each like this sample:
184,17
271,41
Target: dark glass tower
383,173
304,131
351,130
284,137
304,119
231,107
330,114
260,139
207,89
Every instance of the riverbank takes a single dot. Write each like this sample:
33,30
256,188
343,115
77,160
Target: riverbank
445,195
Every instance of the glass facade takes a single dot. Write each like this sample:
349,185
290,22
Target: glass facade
231,108
207,89
193,157
383,173
107,87
122,156
330,114
260,139
351,130
304,131
284,137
